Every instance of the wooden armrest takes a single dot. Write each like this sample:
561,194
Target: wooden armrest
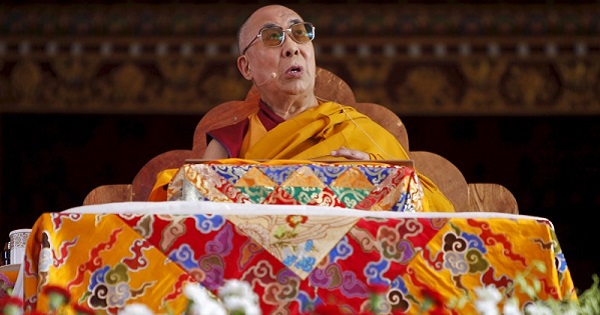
146,178
109,193
448,178
490,197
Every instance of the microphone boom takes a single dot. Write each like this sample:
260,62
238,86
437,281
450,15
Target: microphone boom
273,76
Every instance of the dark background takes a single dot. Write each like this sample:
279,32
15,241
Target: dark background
49,162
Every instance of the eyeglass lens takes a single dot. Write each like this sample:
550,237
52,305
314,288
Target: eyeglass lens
274,36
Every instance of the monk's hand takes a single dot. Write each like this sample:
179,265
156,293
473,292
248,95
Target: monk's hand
350,154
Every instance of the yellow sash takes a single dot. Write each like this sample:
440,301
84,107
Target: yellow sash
314,133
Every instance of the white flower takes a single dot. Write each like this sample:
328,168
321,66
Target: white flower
489,293
135,309
245,306
537,309
511,307
202,302
487,302
234,297
195,293
570,311
208,308
487,307
238,296
237,288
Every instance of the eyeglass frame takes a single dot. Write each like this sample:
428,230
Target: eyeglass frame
283,31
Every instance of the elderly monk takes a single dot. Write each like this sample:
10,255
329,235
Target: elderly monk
278,56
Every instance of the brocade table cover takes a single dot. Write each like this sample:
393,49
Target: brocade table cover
363,185
294,257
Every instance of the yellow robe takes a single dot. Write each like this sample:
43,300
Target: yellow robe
314,133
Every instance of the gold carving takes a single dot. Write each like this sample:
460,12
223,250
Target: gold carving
73,81
26,78
482,80
581,81
427,88
181,76
126,87
370,77
530,85
224,84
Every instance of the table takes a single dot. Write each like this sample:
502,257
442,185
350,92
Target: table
293,256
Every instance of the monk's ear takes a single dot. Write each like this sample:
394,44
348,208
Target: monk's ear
244,67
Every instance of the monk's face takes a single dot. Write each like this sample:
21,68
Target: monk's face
289,68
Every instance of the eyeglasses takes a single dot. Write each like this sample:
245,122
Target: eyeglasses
273,36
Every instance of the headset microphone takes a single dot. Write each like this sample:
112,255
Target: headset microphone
271,77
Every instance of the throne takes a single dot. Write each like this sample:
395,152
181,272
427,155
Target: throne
487,197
